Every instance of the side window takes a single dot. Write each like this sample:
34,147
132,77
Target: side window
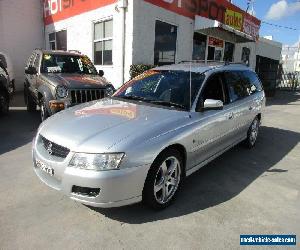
254,84
3,60
235,85
31,60
214,89
37,61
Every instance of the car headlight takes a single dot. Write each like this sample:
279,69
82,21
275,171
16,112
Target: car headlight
96,162
110,91
61,91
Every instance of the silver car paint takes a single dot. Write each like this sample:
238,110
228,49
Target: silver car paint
141,132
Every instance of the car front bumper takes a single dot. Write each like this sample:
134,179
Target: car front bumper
117,187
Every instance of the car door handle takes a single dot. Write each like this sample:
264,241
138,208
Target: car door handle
230,116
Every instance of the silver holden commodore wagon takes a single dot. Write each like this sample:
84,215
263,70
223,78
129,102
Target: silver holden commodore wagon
158,128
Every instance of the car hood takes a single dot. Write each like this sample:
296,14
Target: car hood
75,81
100,125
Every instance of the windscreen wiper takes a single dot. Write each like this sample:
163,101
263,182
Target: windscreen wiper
133,97
169,104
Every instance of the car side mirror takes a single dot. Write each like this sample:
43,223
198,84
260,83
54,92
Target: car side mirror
30,70
211,104
101,73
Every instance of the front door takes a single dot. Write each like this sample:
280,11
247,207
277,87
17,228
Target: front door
212,127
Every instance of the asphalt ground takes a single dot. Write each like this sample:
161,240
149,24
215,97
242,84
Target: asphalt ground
241,192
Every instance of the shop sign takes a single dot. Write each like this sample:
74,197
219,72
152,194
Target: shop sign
234,19
220,10
56,10
212,41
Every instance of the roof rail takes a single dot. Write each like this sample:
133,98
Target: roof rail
207,62
74,51
236,63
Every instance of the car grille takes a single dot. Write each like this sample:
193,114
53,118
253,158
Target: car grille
86,95
54,149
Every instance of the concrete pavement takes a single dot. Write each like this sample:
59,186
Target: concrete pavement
242,192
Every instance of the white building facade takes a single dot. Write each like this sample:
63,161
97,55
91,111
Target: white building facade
116,34
21,31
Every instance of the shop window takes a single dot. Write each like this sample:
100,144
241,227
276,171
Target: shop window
199,46
215,49
228,52
58,40
246,55
165,43
103,42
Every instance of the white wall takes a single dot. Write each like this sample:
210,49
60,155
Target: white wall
145,15
80,37
21,31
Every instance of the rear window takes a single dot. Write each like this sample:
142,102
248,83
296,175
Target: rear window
251,81
3,60
236,87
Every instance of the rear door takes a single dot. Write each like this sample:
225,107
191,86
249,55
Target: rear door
240,103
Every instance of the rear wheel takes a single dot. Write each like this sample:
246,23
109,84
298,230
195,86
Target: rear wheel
44,110
163,180
30,104
252,133
4,103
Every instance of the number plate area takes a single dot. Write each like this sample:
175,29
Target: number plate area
42,166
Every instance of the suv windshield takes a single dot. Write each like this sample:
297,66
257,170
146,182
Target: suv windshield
168,88
56,63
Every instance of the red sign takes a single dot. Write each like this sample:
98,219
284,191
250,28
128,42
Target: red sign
212,41
220,10
57,10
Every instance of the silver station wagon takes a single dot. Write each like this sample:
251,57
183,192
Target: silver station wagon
158,128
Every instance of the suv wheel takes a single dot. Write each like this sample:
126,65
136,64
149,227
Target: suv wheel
163,179
30,104
252,133
4,103
44,111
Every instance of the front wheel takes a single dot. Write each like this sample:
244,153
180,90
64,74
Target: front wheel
252,133
163,180
4,103
30,104
44,111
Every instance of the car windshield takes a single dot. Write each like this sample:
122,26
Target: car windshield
167,88
57,63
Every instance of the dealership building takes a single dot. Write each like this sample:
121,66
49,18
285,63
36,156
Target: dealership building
116,34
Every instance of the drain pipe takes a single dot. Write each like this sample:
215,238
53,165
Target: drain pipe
122,5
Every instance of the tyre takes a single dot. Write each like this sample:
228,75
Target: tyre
44,110
4,103
252,134
164,179
30,104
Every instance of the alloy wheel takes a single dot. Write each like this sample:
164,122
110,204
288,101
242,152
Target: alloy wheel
253,132
167,180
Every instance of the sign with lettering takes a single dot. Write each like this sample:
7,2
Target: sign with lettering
57,10
234,19
212,41
220,10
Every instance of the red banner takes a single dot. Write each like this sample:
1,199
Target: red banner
57,10
220,10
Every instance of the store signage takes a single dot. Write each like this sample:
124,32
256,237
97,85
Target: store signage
212,41
234,19
57,10
220,10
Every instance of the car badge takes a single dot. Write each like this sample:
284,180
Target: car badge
49,148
